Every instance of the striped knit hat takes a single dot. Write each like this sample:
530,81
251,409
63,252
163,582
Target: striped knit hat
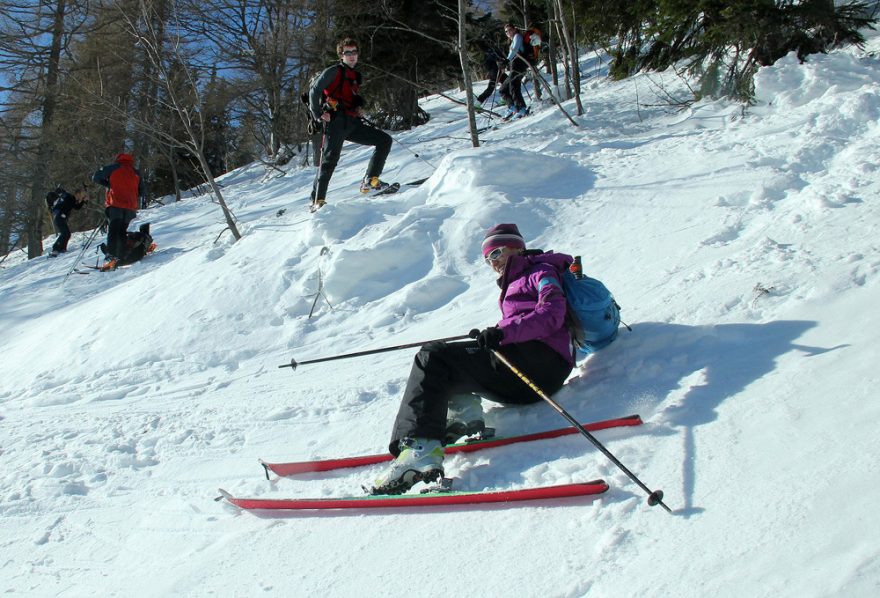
502,235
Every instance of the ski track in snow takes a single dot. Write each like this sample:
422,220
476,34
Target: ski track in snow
741,244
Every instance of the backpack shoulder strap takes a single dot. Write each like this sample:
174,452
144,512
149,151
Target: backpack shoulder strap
337,82
347,97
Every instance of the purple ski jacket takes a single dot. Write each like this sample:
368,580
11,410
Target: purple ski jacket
532,301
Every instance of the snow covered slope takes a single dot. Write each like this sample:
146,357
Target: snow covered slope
742,245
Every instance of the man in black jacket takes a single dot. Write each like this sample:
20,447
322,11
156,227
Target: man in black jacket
335,102
61,204
494,72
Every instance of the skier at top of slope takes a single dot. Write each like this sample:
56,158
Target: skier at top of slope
335,102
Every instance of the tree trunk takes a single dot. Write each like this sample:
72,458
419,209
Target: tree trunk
197,146
230,221
172,166
466,72
571,51
563,50
552,59
145,145
571,41
34,226
6,223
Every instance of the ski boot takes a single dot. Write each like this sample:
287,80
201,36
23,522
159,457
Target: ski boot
420,460
464,417
111,263
373,183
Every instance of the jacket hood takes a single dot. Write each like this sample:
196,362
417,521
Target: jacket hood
125,159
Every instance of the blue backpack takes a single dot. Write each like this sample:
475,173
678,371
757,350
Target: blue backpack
593,313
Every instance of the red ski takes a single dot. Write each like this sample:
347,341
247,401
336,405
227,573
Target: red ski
286,469
419,500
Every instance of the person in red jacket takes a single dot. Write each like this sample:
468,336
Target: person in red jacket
125,189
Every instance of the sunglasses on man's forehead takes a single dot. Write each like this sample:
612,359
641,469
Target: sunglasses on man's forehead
349,52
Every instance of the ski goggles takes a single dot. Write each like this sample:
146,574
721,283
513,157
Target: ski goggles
494,254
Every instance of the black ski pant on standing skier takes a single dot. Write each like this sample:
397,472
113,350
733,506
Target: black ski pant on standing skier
117,230
496,77
442,370
63,230
511,90
341,128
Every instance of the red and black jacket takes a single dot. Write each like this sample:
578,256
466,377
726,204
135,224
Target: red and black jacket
336,89
124,184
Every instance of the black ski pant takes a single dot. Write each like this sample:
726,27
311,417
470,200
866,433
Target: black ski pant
441,370
63,230
117,228
511,90
496,77
340,129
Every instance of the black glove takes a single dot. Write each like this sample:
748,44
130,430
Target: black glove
489,338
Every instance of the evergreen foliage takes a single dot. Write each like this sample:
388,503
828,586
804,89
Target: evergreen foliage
722,42
407,49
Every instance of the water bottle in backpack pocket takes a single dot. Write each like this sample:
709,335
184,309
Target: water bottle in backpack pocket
594,314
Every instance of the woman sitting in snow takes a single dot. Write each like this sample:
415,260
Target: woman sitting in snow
532,334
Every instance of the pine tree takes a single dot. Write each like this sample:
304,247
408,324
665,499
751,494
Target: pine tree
721,42
31,42
407,49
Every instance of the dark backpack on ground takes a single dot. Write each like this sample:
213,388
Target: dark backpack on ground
137,244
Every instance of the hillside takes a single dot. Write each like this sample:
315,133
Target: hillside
741,244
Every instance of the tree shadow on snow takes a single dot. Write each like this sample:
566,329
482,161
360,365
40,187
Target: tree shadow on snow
683,373
676,376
